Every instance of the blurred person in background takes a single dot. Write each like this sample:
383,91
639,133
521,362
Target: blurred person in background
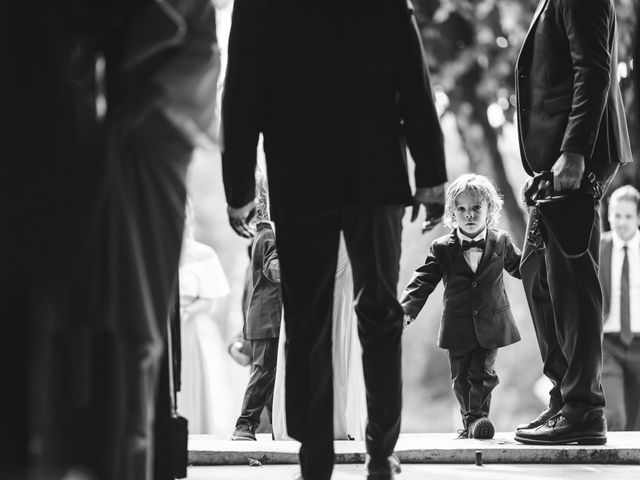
120,93
620,279
204,378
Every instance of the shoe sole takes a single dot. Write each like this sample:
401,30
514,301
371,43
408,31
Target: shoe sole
566,441
233,437
483,430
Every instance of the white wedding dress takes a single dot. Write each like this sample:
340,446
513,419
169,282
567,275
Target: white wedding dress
349,397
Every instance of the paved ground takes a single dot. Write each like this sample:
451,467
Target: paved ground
427,448
432,472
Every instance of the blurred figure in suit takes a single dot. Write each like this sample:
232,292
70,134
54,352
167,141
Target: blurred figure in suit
119,95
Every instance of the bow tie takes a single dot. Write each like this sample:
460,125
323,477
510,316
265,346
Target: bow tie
466,245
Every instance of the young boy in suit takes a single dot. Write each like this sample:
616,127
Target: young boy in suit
620,279
476,318
263,313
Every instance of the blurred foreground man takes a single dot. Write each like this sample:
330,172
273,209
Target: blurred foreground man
571,122
115,97
335,92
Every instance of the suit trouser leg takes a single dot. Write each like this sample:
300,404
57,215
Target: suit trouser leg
534,277
308,251
259,393
373,239
483,379
459,365
578,319
632,385
613,381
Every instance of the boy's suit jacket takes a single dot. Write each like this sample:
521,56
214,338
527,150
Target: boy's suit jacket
475,306
264,312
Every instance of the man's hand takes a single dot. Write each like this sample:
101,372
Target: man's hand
239,219
568,171
433,200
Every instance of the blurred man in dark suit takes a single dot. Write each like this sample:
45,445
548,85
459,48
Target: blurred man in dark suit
117,96
335,92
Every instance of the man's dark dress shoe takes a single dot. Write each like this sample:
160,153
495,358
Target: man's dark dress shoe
559,430
384,469
546,414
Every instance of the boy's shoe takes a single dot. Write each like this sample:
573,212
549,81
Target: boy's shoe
244,432
482,429
462,433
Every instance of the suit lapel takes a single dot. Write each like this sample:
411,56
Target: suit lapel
534,22
489,248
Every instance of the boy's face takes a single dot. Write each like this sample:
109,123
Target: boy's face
471,215
624,218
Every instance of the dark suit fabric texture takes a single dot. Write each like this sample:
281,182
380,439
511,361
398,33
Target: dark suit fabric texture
476,310
476,318
621,363
337,95
264,296
110,201
568,100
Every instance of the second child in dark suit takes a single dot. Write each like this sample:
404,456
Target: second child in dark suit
476,317
263,315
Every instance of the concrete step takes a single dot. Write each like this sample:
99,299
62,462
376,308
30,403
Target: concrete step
621,448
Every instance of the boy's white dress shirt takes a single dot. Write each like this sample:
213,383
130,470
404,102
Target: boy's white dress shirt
474,254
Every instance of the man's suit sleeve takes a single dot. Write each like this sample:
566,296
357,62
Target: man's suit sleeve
422,283
242,102
588,25
417,108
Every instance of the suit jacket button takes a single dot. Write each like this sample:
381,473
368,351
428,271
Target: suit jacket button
475,313
474,284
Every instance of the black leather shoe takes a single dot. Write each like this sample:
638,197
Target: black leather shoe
546,414
559,430
384,469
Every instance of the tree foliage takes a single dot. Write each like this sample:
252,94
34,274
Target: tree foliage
472,47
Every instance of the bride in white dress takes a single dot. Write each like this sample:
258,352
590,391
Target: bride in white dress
349,397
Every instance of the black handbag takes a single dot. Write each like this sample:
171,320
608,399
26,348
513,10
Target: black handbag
179,424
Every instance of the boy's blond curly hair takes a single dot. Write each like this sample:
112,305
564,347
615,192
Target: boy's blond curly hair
478,187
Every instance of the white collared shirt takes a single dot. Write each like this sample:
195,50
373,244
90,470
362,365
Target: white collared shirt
612,323
473,255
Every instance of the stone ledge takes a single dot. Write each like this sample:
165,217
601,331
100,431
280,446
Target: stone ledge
622,448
